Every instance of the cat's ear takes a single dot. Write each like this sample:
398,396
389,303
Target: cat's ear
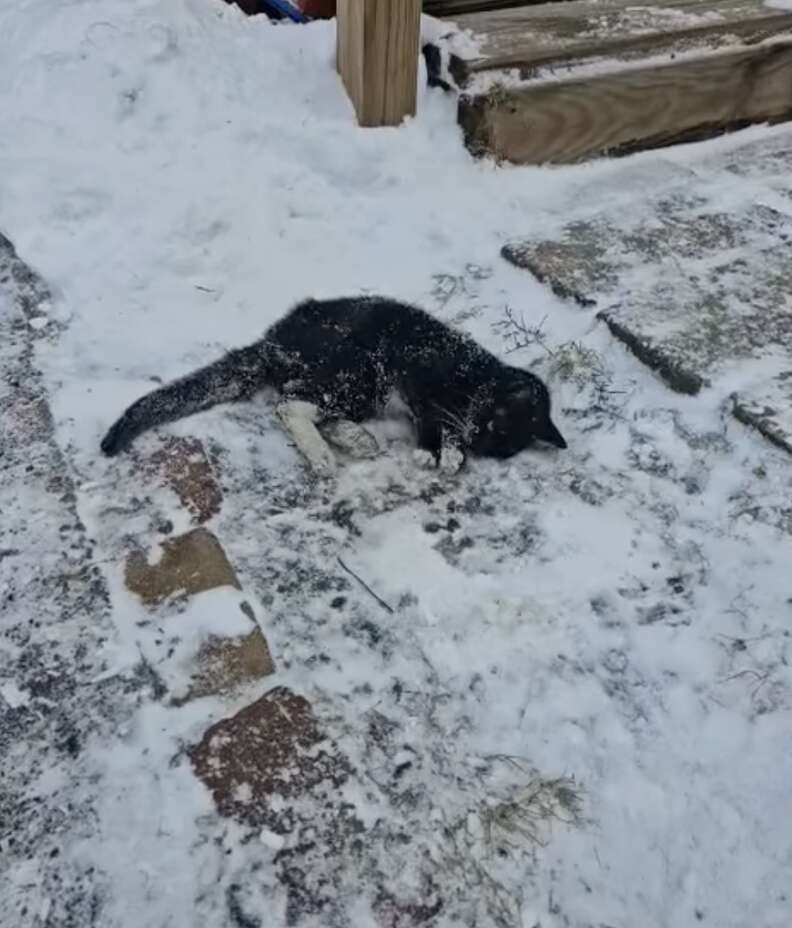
549,433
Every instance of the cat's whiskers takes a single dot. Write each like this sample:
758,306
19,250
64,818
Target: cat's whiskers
455,421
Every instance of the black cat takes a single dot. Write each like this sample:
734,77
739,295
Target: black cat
347,356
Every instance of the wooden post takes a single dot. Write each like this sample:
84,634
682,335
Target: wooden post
377,50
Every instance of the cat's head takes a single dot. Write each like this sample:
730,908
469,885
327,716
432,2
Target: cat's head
518,416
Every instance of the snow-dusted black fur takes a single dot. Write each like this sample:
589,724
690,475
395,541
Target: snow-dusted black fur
433,57
347,356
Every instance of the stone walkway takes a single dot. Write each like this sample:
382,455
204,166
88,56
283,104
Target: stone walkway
57,691
695,278
55,621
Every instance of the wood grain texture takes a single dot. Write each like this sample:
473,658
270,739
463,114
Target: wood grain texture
552,35
350,22
635,108
377,57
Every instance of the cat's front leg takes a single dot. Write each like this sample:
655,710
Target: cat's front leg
437,448
299,418
452,458
429,438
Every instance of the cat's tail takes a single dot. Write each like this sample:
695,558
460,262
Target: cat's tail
234,377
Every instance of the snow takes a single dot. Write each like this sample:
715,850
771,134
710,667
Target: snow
594,67
13,695
272,840
210,615
617,613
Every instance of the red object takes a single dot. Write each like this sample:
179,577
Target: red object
317,9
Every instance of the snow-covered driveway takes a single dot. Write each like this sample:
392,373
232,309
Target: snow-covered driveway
598,637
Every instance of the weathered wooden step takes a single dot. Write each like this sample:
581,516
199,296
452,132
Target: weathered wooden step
698,285
564,81
459,7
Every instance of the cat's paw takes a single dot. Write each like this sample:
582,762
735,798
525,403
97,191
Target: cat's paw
299,409
351,438
451,460
297,418
424,459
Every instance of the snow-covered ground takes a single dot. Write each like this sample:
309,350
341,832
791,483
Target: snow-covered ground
617,615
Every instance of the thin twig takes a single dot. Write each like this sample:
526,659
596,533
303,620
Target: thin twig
519,334
365,586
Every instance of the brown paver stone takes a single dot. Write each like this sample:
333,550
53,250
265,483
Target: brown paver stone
185,467
190,564
222,664
273,747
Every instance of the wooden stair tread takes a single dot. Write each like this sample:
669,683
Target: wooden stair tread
553,34
565,81
443,8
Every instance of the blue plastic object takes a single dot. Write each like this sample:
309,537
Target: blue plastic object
282,8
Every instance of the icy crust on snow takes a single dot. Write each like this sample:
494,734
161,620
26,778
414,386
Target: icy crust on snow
610,623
